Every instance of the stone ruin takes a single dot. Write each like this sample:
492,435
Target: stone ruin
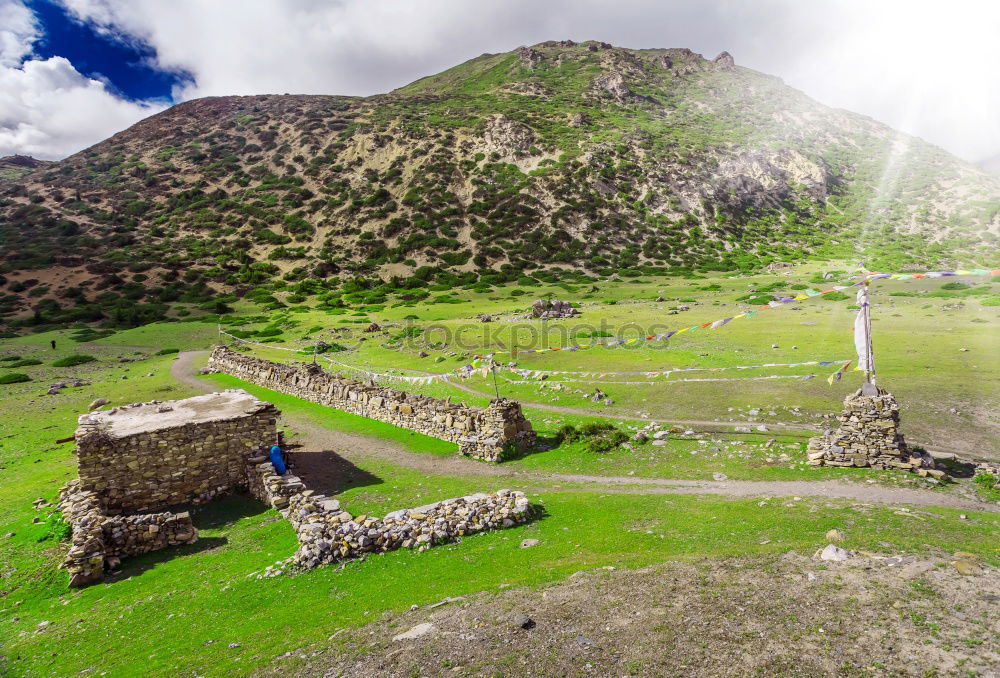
547,309
489,434
869,436
138,459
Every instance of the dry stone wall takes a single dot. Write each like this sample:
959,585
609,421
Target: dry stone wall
868,436
155,468
99,540
328,534
483,433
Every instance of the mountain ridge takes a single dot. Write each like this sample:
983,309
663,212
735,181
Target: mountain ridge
569,159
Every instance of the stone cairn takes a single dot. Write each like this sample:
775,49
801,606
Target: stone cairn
553,308
868,436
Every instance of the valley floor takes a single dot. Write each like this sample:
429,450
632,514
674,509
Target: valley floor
645,562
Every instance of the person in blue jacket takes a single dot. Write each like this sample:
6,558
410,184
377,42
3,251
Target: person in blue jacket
277,461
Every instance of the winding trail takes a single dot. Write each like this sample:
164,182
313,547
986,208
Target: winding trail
327,455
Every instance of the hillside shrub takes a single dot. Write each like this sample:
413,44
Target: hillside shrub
9,358
14,378
167,351
75,359
26,362
596,437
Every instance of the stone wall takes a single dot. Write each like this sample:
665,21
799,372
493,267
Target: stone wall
327,534
99,540
483,433
868,436
151,469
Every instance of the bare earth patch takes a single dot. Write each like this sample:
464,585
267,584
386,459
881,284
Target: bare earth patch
790,615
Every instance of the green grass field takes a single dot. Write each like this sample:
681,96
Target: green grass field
199,609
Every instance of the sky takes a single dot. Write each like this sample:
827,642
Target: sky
73,72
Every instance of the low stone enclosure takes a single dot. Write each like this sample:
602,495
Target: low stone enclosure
868,436
137,459
490,434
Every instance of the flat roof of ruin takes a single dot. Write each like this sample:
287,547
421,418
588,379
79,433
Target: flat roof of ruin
127,420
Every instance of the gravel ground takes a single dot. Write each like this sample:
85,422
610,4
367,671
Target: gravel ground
789,615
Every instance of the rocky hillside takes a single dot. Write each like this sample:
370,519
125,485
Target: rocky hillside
559,159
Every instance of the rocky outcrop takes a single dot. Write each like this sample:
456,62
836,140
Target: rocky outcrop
613,84
724,61
547,309
759,180
868,436
506,136
490,433
529,58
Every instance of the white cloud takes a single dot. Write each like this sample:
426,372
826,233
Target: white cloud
18,31
47,108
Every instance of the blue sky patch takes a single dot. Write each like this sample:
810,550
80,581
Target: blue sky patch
125,65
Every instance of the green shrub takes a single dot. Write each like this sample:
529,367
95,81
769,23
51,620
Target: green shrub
14,378
955,285
75,359
596,437
167,351
836,296
9,358
27,362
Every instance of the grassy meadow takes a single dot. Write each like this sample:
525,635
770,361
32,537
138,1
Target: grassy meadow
201,610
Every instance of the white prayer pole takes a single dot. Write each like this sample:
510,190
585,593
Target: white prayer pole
867,309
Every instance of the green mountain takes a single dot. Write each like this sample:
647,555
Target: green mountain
557,160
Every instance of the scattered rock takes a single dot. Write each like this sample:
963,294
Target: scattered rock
528,543
552,308
719,476
834,553
417,631
966,567
100,402
835,536
524,621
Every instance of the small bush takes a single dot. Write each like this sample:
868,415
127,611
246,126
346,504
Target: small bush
75,359
596,437
9,358
27,362
955,285
167,351
836,296
14,378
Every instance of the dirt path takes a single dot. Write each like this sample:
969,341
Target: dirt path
327,459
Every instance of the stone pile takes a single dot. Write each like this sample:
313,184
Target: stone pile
552,308
265,484
150,455
99,539
328,534
490,434
868,436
